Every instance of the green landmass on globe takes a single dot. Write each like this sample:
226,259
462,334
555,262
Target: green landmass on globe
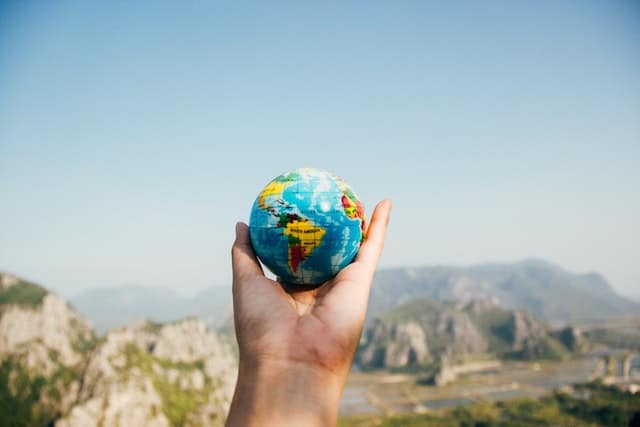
306,225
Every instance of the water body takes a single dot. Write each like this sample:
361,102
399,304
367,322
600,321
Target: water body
447,403
354,401
368,394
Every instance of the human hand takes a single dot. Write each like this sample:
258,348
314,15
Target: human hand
297,344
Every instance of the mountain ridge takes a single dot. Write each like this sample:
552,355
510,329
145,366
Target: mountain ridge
549,291
545,289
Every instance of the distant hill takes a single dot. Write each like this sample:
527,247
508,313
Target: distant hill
428,333
543,289
546,290
112,307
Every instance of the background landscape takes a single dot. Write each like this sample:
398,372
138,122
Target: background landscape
134,136
436,339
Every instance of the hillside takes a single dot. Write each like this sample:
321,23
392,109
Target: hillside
430,334
54,371
44,344
543,289
148,374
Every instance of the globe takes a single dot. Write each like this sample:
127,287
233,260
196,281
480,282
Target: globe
306,225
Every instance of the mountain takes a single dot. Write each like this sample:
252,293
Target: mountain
113,307
54,371
429,333
148,374
44,344
547,291
543,289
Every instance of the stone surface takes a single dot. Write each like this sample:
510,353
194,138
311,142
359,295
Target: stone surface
176,373
426,333
145,374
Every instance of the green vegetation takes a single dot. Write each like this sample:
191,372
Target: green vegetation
19,395
495,326
612,338
544,348
83,344
177,402
23,293
152,327
499,329
591,404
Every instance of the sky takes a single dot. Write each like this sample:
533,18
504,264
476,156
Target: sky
133,135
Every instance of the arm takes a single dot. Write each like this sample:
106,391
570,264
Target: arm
297,346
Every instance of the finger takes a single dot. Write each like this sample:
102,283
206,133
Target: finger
371,249
243,259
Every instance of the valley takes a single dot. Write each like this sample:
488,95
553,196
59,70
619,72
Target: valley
381,393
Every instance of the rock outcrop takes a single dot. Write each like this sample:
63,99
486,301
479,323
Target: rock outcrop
438,335
572,338
177,374
406,344
53,369
43,349
51,325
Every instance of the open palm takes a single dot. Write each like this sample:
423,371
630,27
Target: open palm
317,327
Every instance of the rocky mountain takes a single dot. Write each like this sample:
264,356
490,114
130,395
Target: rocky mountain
548,291
428,333
54,371
148,374
113,307
43,348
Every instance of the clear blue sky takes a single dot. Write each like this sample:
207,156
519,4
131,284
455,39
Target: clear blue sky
134,134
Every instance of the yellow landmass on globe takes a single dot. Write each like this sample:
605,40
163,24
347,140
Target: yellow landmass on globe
274,188
303,237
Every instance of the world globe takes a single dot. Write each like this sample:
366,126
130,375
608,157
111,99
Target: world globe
306,225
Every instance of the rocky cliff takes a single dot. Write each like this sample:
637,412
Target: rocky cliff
43,348
54,371
429,333
156,375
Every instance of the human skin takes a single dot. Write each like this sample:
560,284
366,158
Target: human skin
297,344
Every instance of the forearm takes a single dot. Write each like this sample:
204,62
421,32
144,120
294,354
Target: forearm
278,393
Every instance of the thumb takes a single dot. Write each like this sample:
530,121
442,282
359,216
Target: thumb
243,260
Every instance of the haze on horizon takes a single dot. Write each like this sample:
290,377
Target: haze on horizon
133,137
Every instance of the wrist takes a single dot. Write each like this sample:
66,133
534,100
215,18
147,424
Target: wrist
274,392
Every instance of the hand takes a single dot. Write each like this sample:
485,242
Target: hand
296,344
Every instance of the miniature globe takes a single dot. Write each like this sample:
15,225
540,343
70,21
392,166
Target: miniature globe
306,225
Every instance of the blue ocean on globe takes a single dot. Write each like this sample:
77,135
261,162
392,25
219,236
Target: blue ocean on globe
306,225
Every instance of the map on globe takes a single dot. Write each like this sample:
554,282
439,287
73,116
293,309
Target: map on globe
306,225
